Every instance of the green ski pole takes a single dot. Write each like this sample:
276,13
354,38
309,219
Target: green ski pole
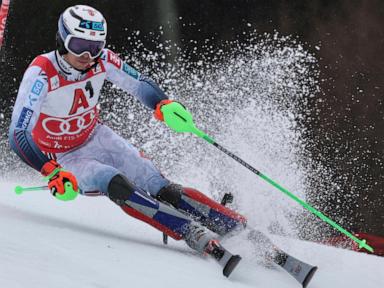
180,120
19,190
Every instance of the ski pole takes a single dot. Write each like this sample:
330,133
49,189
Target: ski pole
180,120
19,190
70,193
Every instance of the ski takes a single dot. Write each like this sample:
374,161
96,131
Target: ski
301,271
298,269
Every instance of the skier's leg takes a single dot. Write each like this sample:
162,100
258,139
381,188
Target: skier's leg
94,176
106,154
95,169
210,213
113,150
108,148
167,219
140,205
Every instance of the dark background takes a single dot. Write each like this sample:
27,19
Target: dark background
345,129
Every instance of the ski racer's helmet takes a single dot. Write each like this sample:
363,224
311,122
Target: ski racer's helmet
81,29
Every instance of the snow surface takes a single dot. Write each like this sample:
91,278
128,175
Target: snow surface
90,242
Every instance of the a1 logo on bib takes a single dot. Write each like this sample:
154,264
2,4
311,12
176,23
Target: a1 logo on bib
79,101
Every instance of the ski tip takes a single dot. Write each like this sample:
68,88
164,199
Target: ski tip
309,276
231,265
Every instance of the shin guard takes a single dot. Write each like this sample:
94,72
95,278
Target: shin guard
203,209
142,206
212,214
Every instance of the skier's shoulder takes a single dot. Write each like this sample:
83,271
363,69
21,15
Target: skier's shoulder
35,77
42,64
110,57
114,60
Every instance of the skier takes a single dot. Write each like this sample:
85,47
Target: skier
56,130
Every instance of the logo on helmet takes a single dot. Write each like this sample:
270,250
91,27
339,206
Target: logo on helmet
91,12
97,26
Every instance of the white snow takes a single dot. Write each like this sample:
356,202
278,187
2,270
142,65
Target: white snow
90,242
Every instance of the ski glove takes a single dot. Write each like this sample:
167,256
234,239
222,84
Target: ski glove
158,114
63,184
171,107
175,116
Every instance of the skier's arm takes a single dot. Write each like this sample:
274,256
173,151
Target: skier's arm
142,87
32,90
128,79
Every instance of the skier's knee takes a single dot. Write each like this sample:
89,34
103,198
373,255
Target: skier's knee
120,189
171,194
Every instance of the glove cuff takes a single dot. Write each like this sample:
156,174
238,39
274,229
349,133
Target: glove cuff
50,169
157,113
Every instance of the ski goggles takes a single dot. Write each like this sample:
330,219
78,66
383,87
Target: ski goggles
79,47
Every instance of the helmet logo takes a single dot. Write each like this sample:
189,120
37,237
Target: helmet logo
97,26
90,12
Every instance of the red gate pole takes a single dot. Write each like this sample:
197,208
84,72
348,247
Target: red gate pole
3,18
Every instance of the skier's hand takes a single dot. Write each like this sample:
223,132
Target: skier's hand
158,114
63,184
175,116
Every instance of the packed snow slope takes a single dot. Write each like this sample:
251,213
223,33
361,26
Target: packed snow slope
90,242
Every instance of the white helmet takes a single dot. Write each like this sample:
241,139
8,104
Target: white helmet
81,29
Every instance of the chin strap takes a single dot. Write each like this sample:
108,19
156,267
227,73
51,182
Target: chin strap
95,63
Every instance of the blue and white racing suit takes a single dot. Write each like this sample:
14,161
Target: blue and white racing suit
56,117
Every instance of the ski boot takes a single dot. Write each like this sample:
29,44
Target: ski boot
201,240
